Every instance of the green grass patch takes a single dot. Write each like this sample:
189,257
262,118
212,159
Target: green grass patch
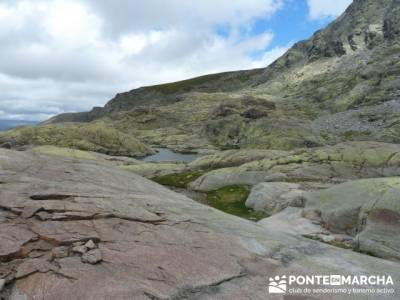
231,199
179,180
211,82
351,135
184,85
65,152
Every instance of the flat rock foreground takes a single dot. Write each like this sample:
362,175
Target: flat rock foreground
83,229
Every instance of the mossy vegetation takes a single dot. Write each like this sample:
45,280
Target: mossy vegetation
332,243
211,82
352,135
184,85
369,253
64,152
231,199
96,137
179,180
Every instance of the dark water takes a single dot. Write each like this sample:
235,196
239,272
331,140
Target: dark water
9,124
164,154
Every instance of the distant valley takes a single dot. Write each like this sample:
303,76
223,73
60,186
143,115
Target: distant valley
9,124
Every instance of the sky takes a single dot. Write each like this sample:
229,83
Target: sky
70,55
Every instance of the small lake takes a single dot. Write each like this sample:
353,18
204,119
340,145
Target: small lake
165,154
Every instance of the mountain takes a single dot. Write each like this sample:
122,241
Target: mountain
342,84
318,194
9,124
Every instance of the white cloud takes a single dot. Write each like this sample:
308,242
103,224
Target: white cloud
320,9
269,56
70,55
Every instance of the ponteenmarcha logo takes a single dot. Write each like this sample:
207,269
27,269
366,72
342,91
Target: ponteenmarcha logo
334,284
277,285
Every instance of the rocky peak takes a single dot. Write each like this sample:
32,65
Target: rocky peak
391,25
364,25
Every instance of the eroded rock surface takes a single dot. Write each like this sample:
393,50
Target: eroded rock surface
334,164
149,242
273,197
368,209
291,220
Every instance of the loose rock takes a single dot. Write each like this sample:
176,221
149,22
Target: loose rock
92,257
80,249
90,245
60,252
2,284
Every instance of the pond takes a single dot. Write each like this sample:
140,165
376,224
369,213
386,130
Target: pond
164,154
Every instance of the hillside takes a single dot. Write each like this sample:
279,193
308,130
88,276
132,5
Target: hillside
96,137
340,85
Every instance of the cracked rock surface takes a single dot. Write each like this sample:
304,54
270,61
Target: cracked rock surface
146,242
332,164
368,209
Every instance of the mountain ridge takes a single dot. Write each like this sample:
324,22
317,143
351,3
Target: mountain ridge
315,48
351,66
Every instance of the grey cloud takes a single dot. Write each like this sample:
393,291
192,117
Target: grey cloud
43,72
121,16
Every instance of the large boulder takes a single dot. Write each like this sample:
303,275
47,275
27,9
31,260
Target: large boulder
230,176
152,169
148,242
342,162
291,220
234,158
368,209
272,197
96,137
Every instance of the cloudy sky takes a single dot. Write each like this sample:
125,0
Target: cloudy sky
70,55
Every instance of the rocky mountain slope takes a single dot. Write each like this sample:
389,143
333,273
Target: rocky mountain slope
340,85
